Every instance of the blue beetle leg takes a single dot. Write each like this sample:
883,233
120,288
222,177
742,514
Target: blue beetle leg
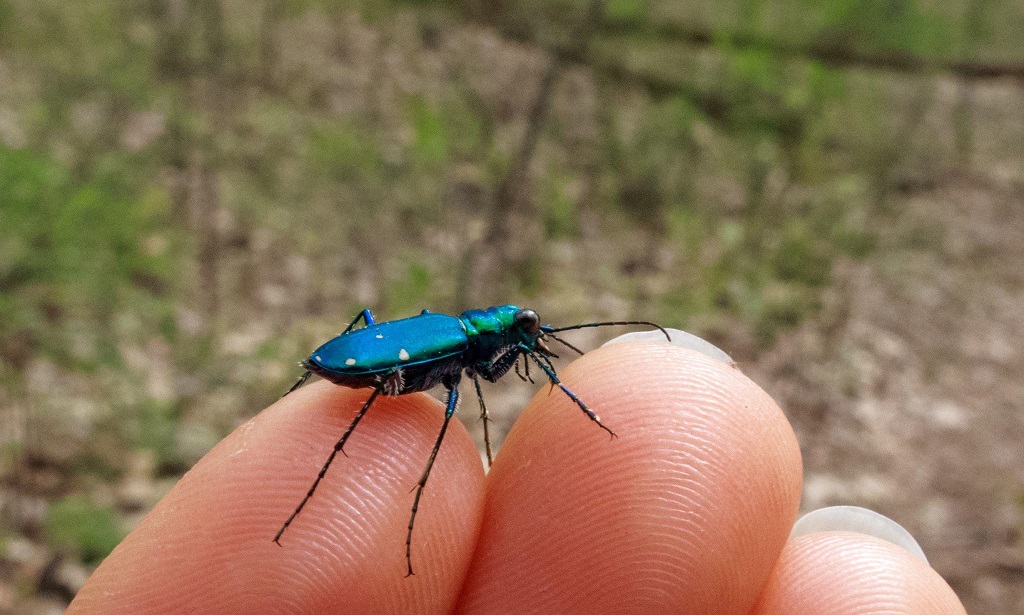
554,380
302,380
483,417
367,317
546,360
549,364
453,402
337,447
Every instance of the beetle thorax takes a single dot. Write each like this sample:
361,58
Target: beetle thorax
494,330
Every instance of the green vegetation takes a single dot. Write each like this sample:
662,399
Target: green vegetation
90,531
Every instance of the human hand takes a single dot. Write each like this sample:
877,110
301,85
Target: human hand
689,510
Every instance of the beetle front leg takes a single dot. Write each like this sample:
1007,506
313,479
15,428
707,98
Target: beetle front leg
494,370
555,381
526,367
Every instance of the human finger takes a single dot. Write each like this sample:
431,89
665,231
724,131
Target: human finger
846,573
206,547
685,511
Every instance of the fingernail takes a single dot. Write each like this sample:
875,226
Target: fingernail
857,519
679,338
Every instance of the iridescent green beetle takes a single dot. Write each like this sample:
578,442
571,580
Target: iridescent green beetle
418,353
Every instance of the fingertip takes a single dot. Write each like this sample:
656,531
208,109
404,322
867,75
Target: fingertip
847,573
676,337
861,520
689,505
208,545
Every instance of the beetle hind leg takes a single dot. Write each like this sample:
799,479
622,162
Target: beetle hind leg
453,403
338,447
302,380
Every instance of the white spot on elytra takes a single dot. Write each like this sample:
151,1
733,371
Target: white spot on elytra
403,355
379,336
317,357
350,361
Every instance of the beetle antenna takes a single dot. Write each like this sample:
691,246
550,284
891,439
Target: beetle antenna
548,329
563,342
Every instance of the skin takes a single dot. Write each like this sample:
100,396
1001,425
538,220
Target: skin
687,511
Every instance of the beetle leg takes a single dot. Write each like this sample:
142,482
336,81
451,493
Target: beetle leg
497,368
302,380
555,381
544,358
547,361
526,366
483,417
525,378
367,317
339,446
453,402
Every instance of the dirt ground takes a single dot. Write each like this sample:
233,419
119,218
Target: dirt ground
906,397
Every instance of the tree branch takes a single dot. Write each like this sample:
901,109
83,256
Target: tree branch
829,53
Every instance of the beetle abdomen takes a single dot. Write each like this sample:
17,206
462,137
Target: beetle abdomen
379,348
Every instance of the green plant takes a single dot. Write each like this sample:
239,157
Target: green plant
78,524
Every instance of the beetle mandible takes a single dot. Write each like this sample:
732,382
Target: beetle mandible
418,353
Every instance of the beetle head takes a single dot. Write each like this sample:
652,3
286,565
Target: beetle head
528,321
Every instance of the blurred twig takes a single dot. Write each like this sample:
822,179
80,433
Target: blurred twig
719,107
507,212
828,53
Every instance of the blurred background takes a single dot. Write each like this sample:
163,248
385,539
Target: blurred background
195,194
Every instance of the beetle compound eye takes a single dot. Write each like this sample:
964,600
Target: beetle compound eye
528,321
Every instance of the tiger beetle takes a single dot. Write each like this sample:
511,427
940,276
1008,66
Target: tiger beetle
418,353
